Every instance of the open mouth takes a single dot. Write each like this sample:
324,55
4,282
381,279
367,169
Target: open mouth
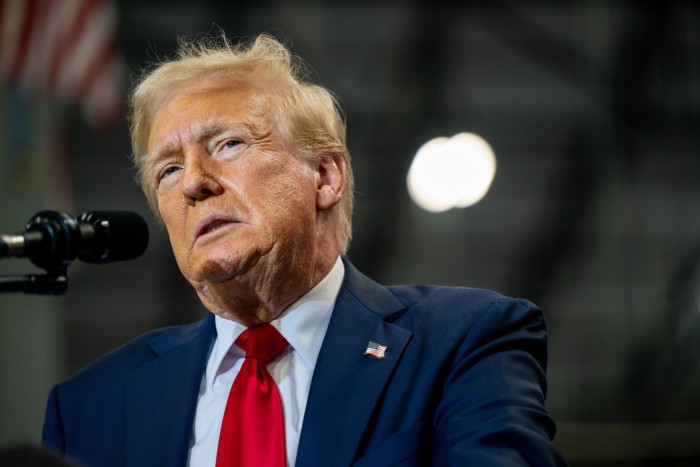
212,226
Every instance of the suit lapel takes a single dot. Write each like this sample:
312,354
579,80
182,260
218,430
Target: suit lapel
347,384
162,396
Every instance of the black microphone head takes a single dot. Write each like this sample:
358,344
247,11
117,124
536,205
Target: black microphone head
118,236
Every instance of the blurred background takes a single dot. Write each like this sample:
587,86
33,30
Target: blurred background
591,108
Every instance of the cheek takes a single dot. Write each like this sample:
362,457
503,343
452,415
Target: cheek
173,220
293,197
278,189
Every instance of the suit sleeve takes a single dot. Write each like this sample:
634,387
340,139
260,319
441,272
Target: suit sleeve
52,434
492,410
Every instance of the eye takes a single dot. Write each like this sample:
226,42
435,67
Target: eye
167,171
228,145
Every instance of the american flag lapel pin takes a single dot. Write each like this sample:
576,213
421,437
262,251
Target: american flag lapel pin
376,350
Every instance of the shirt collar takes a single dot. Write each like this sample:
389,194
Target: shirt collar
303,324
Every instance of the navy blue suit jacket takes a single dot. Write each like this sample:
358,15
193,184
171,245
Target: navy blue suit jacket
463,383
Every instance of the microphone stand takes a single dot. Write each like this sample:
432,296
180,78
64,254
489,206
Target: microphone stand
54,282
35,284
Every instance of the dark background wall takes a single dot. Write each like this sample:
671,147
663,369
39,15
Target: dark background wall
593,111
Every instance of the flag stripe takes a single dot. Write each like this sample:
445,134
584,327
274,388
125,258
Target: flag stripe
376,350
27,76
12,18
70,38
23,40
68,49
95,48
54,37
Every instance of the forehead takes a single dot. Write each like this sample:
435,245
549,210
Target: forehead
221,99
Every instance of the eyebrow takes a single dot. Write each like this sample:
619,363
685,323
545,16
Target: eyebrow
202,130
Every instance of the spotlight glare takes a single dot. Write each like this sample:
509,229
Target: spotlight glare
451,172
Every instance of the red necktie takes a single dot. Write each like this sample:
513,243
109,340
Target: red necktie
252,433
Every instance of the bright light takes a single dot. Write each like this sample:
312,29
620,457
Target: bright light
451,172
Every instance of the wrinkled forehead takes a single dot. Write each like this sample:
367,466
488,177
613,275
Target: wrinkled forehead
200,101
231,85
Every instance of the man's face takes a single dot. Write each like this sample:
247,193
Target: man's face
236,204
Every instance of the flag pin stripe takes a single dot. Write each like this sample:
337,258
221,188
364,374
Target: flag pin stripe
376,350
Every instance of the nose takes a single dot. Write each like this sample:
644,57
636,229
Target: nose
199,179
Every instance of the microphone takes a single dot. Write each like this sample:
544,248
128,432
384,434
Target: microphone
54,239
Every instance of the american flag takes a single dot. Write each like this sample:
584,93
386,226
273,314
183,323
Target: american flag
375,350
67,50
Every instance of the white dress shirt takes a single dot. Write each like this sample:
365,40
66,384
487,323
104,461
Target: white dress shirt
304,325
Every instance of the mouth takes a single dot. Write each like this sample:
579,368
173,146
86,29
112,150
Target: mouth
209,225
213,227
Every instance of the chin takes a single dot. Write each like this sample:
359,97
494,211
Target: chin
217,268
214,272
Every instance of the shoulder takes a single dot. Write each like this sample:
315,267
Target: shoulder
444,312
430,300
474,297
470,319
462,304
135,354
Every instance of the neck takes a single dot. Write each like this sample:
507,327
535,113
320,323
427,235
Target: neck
259,298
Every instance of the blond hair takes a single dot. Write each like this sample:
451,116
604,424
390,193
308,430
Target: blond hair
306,115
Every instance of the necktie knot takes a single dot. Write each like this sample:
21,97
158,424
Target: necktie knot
263,343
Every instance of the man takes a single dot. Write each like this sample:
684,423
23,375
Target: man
247,167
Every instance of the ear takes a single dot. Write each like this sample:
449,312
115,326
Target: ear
330,181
